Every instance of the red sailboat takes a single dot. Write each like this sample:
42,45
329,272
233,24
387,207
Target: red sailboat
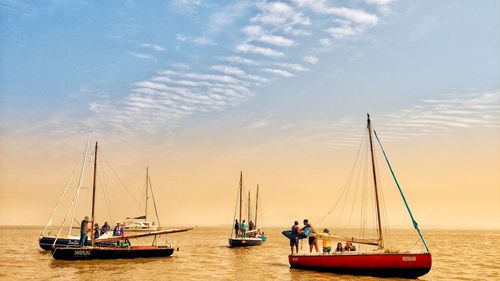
379,261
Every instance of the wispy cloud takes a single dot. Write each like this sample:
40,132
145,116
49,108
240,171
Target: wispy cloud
382,5
280,14
310,59
280,72
256,33
270,47
449,113
143,56
268,52
355,15
153,47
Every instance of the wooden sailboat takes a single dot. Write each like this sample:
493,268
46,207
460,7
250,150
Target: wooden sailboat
252,237
96,251
380,262
141,223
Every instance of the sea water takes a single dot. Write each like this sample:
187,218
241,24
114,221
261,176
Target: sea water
203,255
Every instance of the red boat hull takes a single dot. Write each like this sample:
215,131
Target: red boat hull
383,265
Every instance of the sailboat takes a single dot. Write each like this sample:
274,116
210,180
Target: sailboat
96,251
141,223
379,262
48,241
252,237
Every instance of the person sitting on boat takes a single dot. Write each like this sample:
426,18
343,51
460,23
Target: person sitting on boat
327,244
339,247
313,241
251,225
118,231
105,228
349,247
236,228
243,229
294,237
83,231
96,231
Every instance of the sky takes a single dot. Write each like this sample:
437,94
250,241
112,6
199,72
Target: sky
201,90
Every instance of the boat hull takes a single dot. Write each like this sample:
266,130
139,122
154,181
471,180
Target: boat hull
381,265
244,242
89,253
46,242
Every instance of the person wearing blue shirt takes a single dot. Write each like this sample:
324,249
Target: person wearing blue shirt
83,231
243,229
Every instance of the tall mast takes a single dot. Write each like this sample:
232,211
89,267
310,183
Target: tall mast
256,206
249,214
147,187
241,192
379,226
93,197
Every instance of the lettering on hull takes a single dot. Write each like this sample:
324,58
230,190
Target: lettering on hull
406,258
82,252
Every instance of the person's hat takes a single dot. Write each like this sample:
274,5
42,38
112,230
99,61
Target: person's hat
326,230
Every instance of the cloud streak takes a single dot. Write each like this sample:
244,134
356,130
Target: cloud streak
445,115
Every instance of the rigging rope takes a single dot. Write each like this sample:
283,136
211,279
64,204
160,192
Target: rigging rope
154,202
415,224
119,179
347,184
60,199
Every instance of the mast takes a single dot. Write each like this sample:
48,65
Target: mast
241,192
147,186
93,197
249,215
379,226
256,206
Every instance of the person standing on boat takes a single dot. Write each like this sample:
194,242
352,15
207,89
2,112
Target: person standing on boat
105,228
96,231
83,231
313,241
118,231
243,229
236,227
294,237
251,225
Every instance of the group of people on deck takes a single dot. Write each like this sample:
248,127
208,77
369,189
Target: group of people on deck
85,228
245,230
313,238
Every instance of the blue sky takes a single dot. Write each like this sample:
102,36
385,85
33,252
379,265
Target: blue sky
236,80
115,64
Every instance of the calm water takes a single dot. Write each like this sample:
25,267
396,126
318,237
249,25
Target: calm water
203,255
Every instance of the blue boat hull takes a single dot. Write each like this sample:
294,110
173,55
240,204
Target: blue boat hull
246,242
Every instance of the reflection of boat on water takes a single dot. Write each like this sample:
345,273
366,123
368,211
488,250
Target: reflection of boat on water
253,237
110,251
141,223
377,262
